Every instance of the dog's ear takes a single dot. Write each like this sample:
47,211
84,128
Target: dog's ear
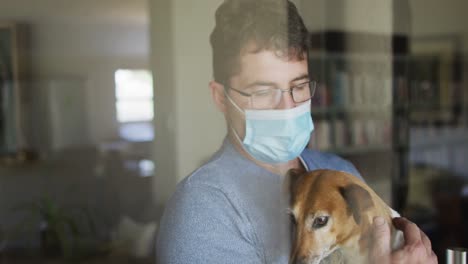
357,199
292,177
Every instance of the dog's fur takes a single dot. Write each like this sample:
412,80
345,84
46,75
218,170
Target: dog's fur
349,206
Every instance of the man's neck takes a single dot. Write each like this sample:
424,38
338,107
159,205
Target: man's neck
280,169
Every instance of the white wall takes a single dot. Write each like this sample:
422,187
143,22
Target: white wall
440,19
422,17
188,127
314,14
358,15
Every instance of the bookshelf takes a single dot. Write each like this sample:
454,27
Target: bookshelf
376,91
352,106
369,99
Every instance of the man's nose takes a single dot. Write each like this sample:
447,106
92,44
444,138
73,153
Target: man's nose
287,101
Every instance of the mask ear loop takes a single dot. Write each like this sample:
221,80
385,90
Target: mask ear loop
230,122
232,102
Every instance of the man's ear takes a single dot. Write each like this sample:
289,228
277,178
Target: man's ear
292,177
357,199
218,96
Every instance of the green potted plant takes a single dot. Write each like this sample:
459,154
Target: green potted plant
58,226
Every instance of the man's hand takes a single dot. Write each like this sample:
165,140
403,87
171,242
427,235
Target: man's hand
416,249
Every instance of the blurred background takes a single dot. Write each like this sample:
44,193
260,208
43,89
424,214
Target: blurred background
104,107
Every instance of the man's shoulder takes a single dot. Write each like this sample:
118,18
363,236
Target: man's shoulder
200,215
316,159
215,174
219,176
198,191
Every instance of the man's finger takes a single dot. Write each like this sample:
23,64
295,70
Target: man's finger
410,230
380,248
427,243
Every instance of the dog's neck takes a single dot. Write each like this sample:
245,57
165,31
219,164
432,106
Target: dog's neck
356,248
354,256
349,253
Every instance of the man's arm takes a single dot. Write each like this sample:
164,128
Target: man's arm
417,247
200,225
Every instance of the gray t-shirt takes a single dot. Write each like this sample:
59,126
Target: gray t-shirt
231,210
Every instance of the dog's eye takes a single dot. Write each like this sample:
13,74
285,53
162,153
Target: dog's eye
320,221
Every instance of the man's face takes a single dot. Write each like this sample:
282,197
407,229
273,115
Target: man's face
258,71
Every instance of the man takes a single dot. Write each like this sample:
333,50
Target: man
233,209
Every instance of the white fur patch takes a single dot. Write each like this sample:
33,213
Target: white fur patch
398,239
394,213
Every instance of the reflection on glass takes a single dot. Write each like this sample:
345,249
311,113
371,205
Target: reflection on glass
86,105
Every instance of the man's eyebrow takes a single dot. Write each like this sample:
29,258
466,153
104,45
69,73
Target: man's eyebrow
302,77
265,83
260,83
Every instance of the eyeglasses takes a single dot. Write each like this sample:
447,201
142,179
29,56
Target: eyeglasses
270,98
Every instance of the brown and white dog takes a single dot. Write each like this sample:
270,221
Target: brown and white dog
333,213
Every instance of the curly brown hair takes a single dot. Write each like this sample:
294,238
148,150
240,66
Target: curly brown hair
273,25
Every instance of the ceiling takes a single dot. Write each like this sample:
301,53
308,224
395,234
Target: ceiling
83,11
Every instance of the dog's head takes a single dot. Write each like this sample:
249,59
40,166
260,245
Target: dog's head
327,210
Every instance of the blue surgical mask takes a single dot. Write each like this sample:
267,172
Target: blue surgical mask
276,136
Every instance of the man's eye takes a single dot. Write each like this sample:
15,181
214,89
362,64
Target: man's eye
302,86
264,92
320,222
